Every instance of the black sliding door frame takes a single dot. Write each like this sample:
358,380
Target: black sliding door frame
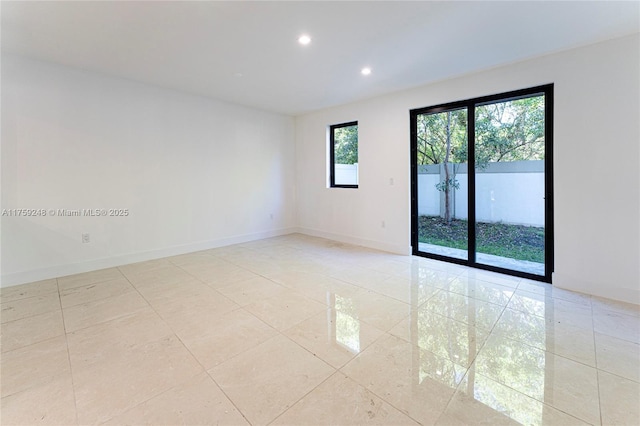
470,105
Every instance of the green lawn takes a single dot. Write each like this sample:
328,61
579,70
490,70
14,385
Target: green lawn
513,241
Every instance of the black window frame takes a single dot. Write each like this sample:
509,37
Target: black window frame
332,168
547,90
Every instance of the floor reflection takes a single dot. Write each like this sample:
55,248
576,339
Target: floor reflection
346,327
495,357
502,399
450,339
516,365
431,366
446,337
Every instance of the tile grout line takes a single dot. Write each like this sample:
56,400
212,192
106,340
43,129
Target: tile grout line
595,356
66,341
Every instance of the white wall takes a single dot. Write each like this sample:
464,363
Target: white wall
193,172
597,115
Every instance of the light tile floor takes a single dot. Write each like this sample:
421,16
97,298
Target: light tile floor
300,330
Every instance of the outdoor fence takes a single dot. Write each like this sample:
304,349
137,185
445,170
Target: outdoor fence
507,192
346,174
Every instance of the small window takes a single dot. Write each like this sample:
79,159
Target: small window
343,155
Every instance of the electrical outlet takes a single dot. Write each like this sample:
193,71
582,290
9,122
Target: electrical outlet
391,182
86,238
384,225
271,216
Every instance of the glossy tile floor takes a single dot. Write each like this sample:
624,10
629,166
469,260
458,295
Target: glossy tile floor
300,330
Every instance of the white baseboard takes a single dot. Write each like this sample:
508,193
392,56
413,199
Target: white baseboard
377,245
17,278
608,291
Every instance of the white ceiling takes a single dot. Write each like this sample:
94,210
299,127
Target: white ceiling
200,47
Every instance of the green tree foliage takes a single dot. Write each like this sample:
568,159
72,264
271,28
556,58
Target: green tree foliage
510,131
346,145
505,131
432,136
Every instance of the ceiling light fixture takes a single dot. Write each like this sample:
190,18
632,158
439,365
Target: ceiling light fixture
304,39
366,71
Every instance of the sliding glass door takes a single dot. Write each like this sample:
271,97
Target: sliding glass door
509,184
482,182
442,183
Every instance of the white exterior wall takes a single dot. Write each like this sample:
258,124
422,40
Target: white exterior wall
429,196
346,174
514,198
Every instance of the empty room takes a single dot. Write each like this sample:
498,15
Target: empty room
320,213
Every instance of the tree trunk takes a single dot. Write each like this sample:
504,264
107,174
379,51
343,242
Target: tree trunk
447,181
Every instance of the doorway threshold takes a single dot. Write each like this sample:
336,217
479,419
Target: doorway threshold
534,268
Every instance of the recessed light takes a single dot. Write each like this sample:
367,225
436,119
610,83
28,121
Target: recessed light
304,39
366,71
